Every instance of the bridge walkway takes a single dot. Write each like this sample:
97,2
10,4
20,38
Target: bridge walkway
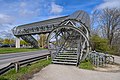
65,72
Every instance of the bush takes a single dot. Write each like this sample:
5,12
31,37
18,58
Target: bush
100,44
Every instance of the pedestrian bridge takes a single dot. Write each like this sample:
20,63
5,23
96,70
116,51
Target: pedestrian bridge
68,39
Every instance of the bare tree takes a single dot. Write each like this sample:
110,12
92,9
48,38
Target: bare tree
95,28
109,22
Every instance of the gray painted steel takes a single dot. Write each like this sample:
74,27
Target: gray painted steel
71,33
81,16
47,26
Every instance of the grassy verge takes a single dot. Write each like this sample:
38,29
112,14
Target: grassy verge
26,71
86,65
15,50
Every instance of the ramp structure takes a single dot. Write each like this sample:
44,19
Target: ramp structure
68,40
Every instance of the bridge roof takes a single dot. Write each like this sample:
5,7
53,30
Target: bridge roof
78,15
45,22
81,16
45,25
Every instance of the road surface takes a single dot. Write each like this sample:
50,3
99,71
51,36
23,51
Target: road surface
6,59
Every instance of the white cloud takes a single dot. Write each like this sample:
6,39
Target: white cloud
56,9
6,34
27,11
6,23
5,19
109,4
24,11
23,4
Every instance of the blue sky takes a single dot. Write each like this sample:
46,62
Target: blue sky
17,12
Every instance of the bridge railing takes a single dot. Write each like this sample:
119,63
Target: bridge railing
33,30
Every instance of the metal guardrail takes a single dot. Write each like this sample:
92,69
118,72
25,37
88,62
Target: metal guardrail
17,64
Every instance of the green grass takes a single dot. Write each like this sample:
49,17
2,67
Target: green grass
15,50
26,71
86,65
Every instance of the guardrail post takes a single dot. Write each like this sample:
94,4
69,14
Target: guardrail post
16,66
47,57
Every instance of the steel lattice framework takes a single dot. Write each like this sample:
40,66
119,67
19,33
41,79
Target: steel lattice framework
65,33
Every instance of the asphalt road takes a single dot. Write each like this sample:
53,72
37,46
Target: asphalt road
6,59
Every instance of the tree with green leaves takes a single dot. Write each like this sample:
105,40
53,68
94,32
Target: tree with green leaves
8,41
1,40
22,42
99,44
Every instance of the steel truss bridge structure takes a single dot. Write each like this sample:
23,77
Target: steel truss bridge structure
68,39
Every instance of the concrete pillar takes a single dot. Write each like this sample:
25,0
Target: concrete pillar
17,42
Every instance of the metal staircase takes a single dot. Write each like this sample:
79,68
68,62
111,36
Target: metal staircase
69,58
30,39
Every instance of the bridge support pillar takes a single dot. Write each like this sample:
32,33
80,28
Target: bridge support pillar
17,42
